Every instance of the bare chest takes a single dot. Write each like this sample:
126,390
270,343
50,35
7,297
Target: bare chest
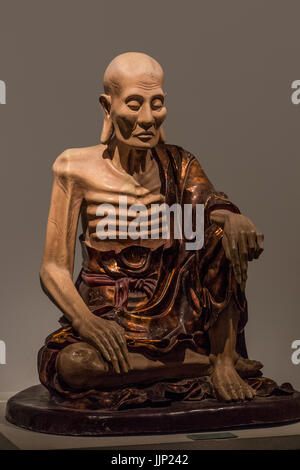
122,209
111,186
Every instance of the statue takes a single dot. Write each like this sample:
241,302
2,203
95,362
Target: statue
147,320
124,164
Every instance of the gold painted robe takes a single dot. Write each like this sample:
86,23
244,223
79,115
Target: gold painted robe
163,298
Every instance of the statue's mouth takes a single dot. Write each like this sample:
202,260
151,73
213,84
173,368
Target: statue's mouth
145,134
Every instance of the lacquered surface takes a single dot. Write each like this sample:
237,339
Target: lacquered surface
33,409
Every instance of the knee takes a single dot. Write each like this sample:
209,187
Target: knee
78,363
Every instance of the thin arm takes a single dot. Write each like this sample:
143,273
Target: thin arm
58,261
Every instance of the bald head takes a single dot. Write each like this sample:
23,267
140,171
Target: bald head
128,66
134,101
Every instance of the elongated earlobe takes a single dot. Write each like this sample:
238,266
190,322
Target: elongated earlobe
162,135
107,131
108,127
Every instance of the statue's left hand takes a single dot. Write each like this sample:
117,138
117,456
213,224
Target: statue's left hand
242,242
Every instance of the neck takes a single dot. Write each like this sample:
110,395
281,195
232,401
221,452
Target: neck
130,159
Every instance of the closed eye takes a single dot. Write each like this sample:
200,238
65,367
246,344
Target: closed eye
156,104
134,105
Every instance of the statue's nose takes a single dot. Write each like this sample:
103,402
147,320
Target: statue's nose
146,119
146,125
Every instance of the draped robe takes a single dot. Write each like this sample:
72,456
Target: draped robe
164,298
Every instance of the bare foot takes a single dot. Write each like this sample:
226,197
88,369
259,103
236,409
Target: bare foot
228,385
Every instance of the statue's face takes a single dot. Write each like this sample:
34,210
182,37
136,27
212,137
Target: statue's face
138,111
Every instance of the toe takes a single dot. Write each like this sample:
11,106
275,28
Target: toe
241,394
233,392
249,392
220,389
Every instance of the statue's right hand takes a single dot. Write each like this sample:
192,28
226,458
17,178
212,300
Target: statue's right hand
108,338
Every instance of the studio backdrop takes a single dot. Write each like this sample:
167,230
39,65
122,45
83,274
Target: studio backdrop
231,77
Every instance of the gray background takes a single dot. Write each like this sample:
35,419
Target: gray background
229,67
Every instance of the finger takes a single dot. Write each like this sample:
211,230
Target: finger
235,261
119,353
122,342
237,272
251,244
113,357
100,347
259,245
243,255
226,247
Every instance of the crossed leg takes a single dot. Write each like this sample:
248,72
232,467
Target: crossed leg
82,367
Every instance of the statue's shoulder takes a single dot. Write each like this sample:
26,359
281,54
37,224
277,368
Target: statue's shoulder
187,164
72,162
179,153
181,156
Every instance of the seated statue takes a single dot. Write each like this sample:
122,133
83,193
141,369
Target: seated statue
144,312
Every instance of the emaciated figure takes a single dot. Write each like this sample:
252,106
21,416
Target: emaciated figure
146,314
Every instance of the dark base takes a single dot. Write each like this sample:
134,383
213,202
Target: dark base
34,410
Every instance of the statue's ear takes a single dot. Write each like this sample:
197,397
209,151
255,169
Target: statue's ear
105,101
162,135
108,127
